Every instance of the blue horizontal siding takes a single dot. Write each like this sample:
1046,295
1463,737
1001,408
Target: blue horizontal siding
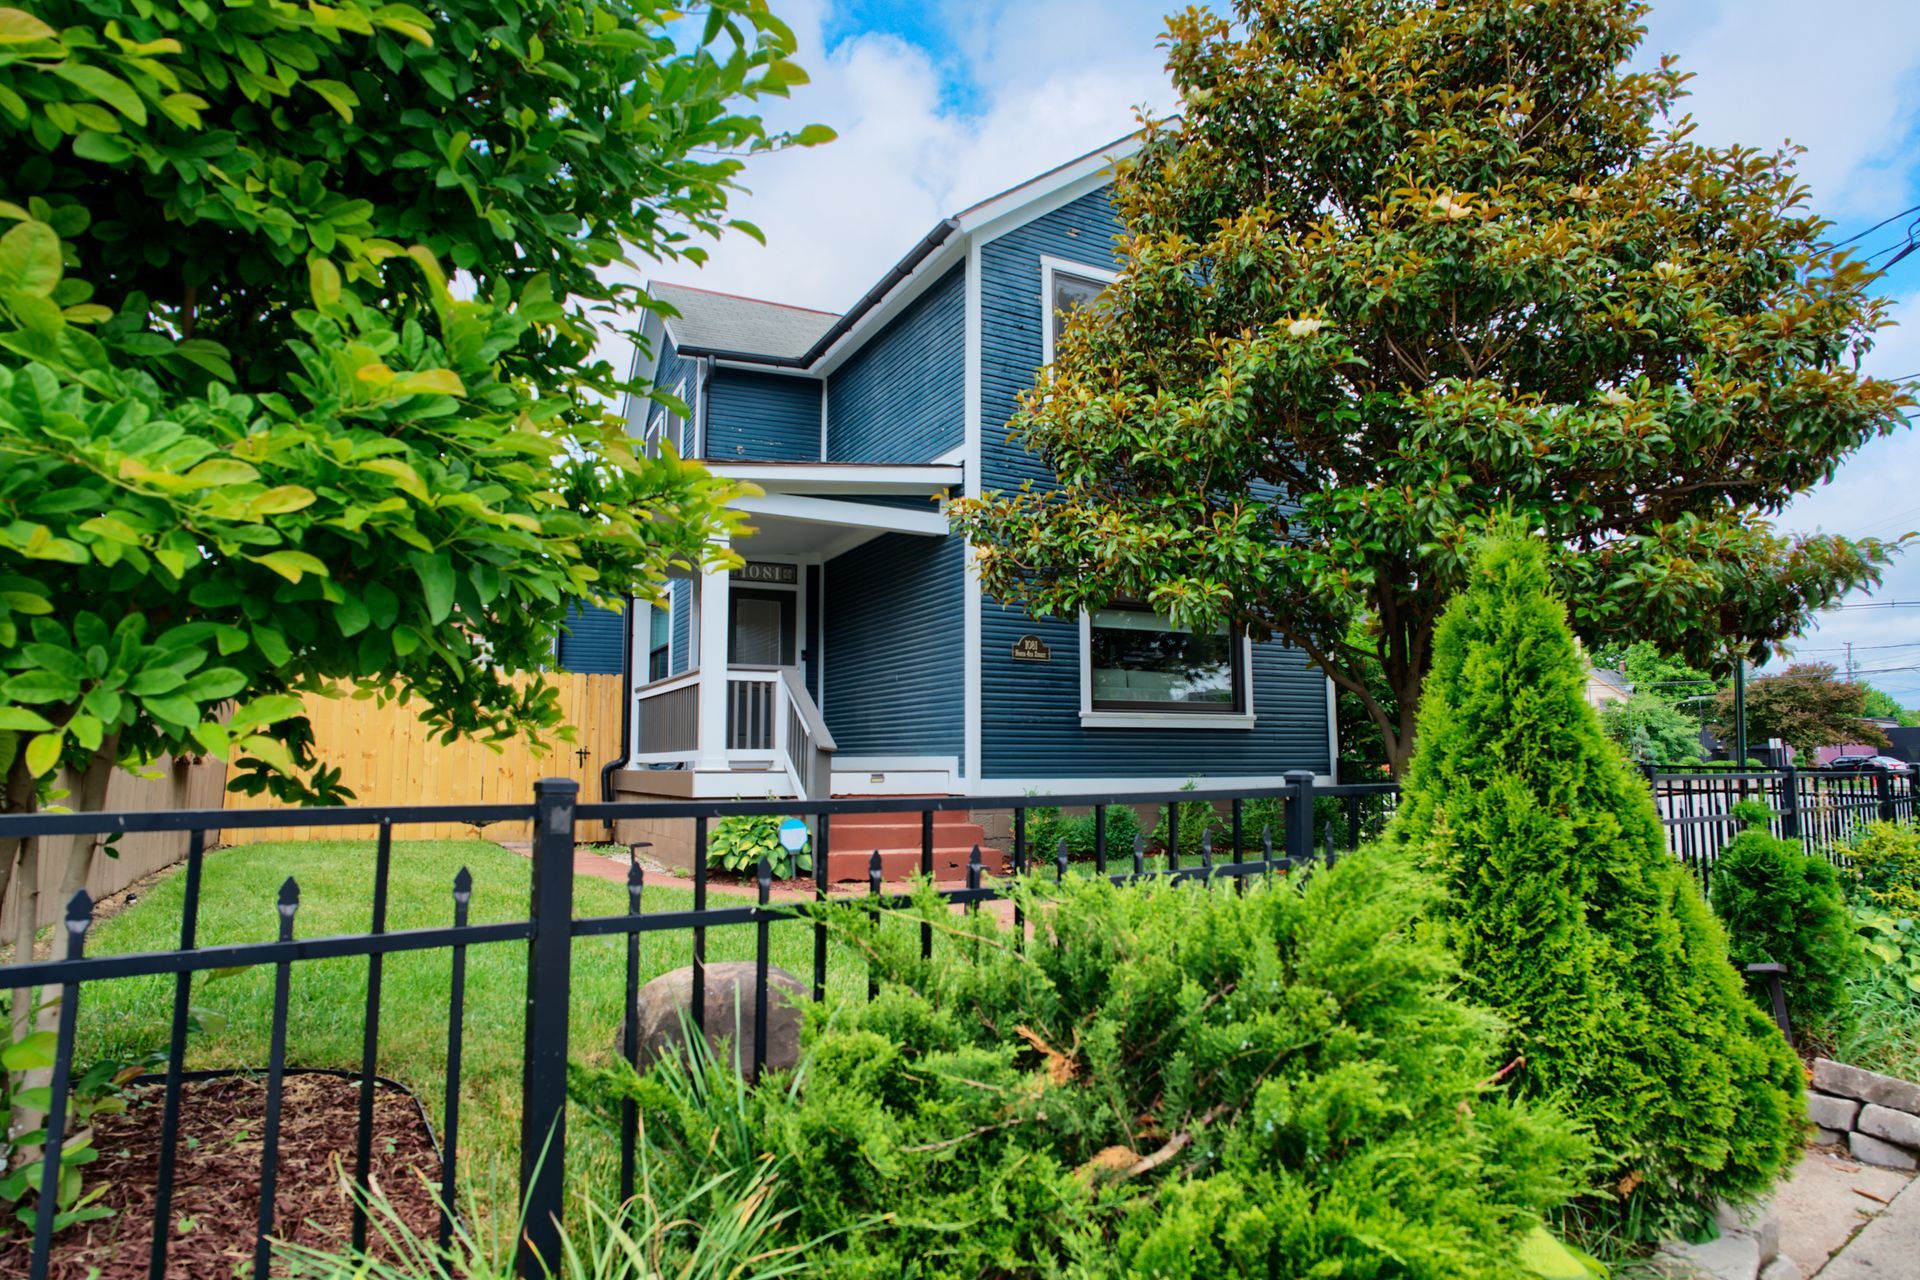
762,417
902,396
594,641
680,601
895,665
1030,711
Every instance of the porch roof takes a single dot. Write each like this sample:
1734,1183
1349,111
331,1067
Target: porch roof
851,479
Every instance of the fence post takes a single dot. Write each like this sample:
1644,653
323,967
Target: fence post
1300,816
543,1067
1789,803
1883,789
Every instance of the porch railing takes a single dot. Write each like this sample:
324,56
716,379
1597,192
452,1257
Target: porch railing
772,724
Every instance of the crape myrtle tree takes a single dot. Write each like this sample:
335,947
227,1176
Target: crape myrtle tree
253,443
1570,918
1399,263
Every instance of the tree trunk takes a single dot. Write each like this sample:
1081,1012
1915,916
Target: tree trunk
91,797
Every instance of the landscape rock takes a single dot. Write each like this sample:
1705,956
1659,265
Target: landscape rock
729,1005
1830,1137
1781,1268
1894,1126
1760,1220
1867,1086
1873,1151
1830,1112
1731,1257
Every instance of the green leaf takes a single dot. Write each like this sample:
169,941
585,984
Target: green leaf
292,565
428,382
323,280
814,135
17,27
35,1051
41,686
22,720
30,259
105,148
338,96
216,684
43,753
436,581
272,644
110,89
216,472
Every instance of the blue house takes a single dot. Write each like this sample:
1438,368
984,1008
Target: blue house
854,654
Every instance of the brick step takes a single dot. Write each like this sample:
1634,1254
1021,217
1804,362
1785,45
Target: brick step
949,863
941,818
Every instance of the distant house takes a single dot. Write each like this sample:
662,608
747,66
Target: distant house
1606,687
856,620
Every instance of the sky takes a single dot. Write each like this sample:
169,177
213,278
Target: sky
940,103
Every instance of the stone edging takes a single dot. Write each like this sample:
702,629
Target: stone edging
1877,1117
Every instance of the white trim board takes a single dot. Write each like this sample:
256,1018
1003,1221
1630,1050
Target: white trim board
971,595
844,515
909,479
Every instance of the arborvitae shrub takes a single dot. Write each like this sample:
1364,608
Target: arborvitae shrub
1569,916
1175,1081
1781,906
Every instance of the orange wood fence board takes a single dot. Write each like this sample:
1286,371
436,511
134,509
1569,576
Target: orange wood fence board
387,757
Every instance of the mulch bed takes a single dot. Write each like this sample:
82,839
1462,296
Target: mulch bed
216,1197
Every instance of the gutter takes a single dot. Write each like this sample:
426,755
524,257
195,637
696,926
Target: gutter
916,256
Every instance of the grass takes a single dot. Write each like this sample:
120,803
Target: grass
128,1018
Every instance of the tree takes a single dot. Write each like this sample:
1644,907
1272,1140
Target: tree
255,445
1572,920
1398,264
1806,706
1651,729
1881,706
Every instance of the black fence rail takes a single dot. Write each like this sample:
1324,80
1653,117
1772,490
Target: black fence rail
1240,841
1821,808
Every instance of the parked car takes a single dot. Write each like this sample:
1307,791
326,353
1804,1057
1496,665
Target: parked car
1868,764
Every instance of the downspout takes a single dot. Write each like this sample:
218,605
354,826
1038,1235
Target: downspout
626,711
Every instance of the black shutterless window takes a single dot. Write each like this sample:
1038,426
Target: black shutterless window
1142,662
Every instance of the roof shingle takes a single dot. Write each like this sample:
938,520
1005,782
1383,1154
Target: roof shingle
725,322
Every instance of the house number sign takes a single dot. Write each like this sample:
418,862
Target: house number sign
1031,649
762,571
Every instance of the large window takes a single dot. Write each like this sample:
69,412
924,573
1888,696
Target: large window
1139,662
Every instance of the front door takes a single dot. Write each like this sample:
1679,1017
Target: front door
760,628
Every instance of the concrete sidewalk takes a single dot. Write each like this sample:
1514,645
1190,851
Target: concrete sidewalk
1887,1248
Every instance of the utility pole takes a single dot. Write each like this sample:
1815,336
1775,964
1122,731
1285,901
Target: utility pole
1849,662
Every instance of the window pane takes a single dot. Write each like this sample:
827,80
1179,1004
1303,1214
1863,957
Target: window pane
1070,293
1140,659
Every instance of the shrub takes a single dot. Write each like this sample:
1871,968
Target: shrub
1884,864
1570,917
1780,906
1168,1080
1046,828
738,843
1197,818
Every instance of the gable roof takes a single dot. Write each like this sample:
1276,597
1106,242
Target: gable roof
730,327
710,321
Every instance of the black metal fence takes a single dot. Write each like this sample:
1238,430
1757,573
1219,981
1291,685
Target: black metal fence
1227,850
1821,808
1312,821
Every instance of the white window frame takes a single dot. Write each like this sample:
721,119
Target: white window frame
1049,268
1092,719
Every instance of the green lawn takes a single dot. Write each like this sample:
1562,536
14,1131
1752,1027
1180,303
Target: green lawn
128,1018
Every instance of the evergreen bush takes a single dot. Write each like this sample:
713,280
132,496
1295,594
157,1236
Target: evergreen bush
1782,907
1569,916
1174,1081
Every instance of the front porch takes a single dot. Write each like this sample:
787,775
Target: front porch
739,705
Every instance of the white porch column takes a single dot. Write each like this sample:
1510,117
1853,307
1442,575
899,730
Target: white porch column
713,671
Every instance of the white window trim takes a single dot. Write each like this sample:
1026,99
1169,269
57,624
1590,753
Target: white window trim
1049,268
1092,719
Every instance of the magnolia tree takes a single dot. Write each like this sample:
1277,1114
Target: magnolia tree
254,445
1399,264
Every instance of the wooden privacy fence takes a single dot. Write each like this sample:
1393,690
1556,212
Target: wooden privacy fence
387,757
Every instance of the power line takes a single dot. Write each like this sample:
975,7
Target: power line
1876,226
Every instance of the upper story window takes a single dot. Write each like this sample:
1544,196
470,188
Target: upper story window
1065,288
664,426
659,643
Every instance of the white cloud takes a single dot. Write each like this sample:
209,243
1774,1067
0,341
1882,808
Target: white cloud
1840,78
